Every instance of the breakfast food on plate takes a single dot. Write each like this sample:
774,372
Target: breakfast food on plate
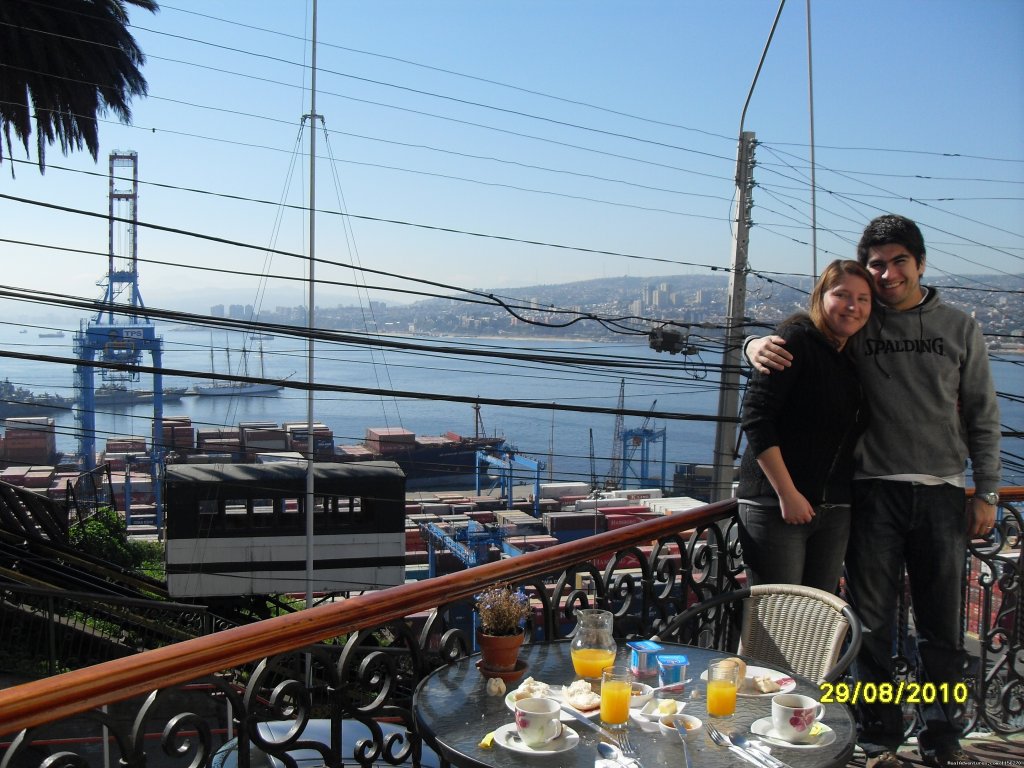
765,684
582,696
667,706
742,667
531,689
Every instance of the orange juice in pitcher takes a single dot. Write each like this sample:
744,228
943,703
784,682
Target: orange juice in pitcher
593,647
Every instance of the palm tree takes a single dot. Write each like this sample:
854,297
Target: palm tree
63,63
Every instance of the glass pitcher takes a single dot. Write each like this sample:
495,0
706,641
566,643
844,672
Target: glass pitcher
593,648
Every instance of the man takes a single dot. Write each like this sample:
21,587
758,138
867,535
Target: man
925,371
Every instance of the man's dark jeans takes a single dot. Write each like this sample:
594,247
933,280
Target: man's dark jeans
924,527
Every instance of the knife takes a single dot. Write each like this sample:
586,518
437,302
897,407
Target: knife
765,759
590,723
682,737
744,755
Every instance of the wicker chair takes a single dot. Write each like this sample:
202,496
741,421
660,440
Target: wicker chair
787,626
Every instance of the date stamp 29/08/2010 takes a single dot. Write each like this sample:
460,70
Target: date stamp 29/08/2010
905,692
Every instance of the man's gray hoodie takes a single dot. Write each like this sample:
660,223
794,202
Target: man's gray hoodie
933,405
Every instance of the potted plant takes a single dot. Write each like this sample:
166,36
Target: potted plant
502,612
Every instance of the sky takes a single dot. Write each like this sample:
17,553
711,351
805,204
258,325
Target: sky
503,144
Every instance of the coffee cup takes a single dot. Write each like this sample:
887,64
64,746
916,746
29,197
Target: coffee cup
537,721
794,716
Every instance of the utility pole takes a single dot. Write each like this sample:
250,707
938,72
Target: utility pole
728,393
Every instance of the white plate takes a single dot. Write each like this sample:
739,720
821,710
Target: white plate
508,737
766,731
556,693
747,689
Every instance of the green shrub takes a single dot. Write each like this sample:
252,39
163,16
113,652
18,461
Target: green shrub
104,535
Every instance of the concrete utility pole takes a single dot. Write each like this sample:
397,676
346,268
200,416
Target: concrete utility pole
728,393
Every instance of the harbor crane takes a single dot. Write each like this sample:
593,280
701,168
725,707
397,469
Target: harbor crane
614,478
624,447
119,336
642,438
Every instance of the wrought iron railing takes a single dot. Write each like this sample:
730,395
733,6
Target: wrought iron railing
357,661
55,630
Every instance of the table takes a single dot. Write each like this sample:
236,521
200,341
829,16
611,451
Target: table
453,713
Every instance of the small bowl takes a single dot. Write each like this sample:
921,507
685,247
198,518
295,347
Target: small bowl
640,694
647,715
691,725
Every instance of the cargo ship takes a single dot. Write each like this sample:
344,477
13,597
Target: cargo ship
428,461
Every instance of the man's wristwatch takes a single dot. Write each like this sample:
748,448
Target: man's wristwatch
989,498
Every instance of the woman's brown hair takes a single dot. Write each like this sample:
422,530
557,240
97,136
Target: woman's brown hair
830,276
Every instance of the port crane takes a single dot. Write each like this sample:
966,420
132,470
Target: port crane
625,443
614,478
642,438
117,335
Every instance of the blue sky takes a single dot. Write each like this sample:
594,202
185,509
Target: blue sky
602,126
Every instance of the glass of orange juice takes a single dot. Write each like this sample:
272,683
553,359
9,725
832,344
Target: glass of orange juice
723,680
591,662
616,685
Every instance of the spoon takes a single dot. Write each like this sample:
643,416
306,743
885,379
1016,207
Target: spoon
671,686
609,752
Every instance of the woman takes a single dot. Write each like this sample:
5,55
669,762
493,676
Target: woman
801,426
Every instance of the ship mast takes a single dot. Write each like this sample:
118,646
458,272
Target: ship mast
310,319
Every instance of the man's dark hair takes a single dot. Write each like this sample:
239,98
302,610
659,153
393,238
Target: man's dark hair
891,228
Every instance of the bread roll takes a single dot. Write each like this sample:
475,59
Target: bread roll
581,696
742,665
531,688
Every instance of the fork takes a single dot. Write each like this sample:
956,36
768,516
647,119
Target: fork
626,747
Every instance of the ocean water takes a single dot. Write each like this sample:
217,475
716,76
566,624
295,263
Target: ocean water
589,374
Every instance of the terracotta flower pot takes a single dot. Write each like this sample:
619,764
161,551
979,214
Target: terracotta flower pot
499,653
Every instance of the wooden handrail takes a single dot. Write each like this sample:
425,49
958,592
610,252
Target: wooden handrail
61,696
68,694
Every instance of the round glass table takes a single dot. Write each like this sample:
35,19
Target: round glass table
454,712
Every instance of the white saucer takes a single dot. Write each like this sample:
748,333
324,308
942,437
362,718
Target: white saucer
766,731
508,737
747,689
556,694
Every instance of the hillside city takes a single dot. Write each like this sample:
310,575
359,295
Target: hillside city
640,303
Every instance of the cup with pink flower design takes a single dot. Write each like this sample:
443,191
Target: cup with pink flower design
794,716
537,721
